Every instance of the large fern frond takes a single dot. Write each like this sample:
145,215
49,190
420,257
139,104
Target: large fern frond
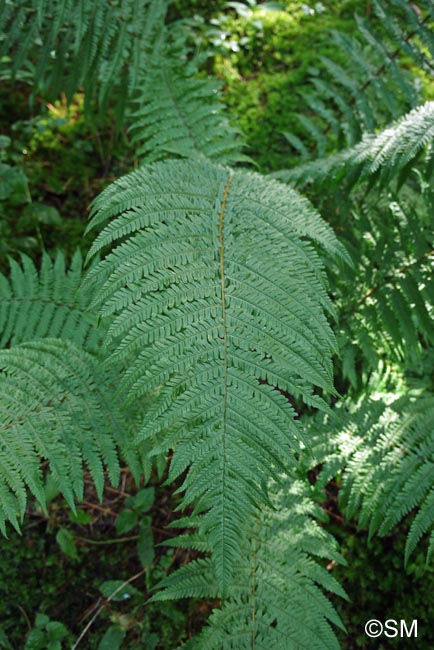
277,601
50,303
56,404
218,302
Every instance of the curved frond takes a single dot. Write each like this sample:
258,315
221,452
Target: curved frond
382,156
387,452
218,301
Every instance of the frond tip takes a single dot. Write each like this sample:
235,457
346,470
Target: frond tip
381,155
180,115
277,601
217,298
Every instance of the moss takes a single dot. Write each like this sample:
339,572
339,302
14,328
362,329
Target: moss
266,63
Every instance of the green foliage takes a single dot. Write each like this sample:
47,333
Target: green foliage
46,635
372,86
44,209
386,450
378,156
54,404
191,285
103,52
374,575
265,59
14,194
50,303
203,333
177,116
275,600
185,8
388,317
37,578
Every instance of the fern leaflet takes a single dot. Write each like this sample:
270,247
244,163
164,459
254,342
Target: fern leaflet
178,115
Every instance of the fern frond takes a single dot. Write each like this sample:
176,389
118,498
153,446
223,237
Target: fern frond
68,44
382,156
391,312
56,404
387,452
50,303
277,600
367,86
217,298
180,114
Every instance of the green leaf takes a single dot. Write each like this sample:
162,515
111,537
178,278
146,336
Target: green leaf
112,639
36,640
143,501
65,539
37,213
41,620
56,631
80,517
126,521
150,640
13,185
145,544
4,143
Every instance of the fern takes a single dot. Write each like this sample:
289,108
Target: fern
387,452
380,156
217,297
55,403
209,310
67,44
276,600
389,315
49,303
368,86
386,307
177,114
